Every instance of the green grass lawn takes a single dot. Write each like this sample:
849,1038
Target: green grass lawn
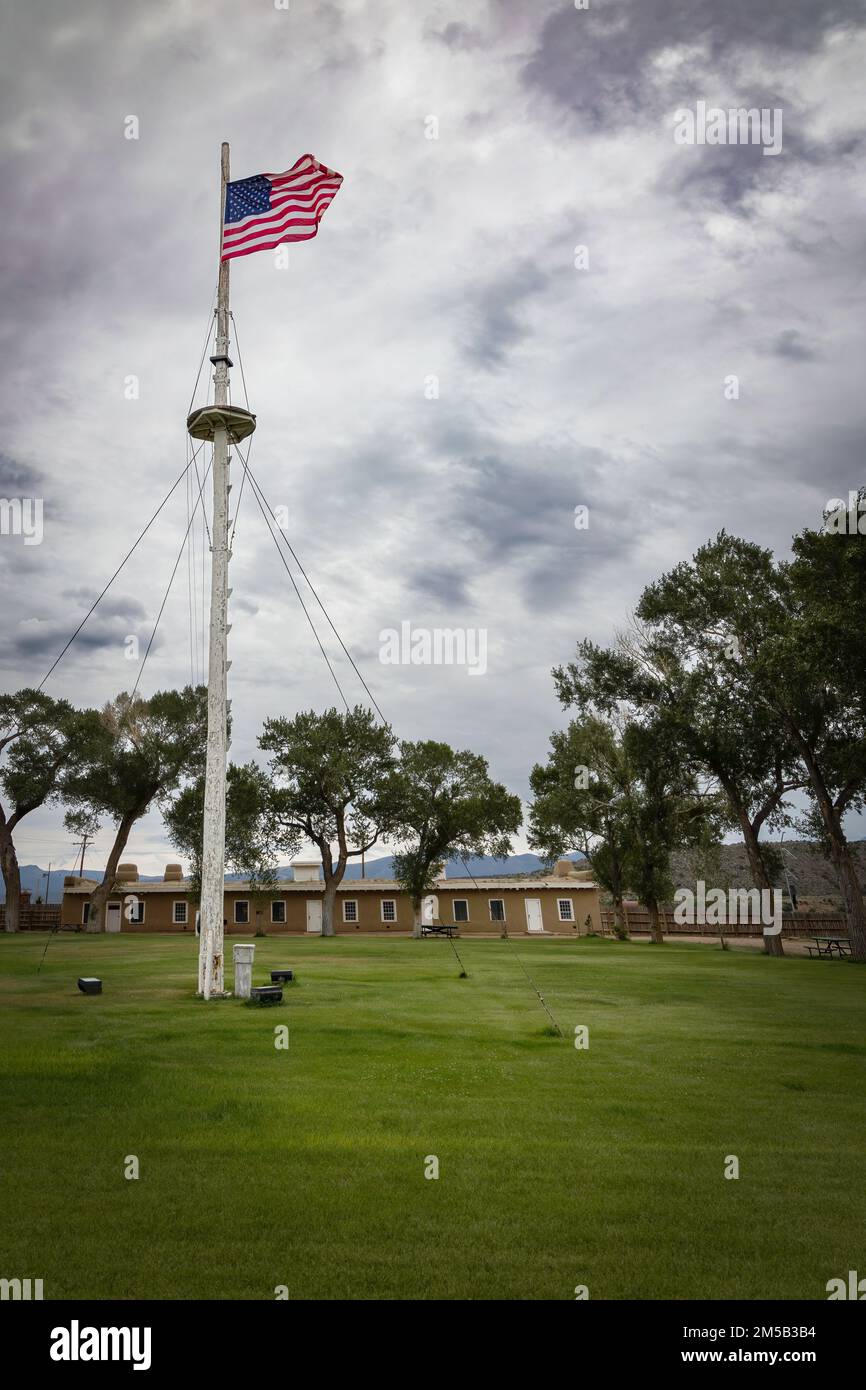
305,1167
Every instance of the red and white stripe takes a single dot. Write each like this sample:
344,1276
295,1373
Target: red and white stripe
299,198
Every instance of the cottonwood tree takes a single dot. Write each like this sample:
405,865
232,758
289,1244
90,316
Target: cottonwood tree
709,716
580,803
820,687
448,804
668,809
40,739
787,634
253,842
642,799
333,780
141,750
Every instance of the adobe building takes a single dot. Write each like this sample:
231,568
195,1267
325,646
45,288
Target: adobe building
563,903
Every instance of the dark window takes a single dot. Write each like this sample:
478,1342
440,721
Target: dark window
461,910
242,911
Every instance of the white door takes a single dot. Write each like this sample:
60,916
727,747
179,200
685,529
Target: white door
533,915
430,909
112,917
314,916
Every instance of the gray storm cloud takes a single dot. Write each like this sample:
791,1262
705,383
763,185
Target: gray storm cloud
450,258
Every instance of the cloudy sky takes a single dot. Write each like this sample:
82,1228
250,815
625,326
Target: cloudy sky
599,385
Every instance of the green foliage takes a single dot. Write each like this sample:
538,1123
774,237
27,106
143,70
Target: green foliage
333,775
617,789
447,804
787,637
252,844
580,800
137,750
333,781
39,739
81,822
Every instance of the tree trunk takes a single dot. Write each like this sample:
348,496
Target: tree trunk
852,896
656,935
416,917
620,922
840,853
12,880
333,876
329,901
761,880
100,895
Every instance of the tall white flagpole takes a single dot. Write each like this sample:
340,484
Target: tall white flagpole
211,965
224,425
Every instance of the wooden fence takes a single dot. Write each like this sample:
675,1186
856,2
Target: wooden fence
793,924
36,917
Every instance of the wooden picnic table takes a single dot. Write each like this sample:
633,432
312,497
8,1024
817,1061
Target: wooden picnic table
438,929
828,946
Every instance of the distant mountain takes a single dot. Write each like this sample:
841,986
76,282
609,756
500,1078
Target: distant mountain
33,881
33,877
815,877
455,868
816,882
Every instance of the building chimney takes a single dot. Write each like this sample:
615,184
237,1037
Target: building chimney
305,870
126,873
173,873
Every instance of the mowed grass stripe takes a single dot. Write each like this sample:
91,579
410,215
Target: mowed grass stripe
305,1167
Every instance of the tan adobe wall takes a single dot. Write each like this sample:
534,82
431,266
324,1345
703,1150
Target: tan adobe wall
158,911
584,902
368,910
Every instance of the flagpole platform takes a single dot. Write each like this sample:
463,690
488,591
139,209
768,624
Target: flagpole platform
237,423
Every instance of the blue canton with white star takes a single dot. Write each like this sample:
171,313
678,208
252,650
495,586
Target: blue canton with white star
246,197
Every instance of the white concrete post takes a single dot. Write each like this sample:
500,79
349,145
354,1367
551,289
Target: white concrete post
243,954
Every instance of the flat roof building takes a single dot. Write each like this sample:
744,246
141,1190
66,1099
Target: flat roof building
563,903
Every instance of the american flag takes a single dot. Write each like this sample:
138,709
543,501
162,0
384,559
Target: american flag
268,209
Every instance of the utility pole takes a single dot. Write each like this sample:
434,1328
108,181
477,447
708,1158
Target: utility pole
48,883
85,839
223,425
